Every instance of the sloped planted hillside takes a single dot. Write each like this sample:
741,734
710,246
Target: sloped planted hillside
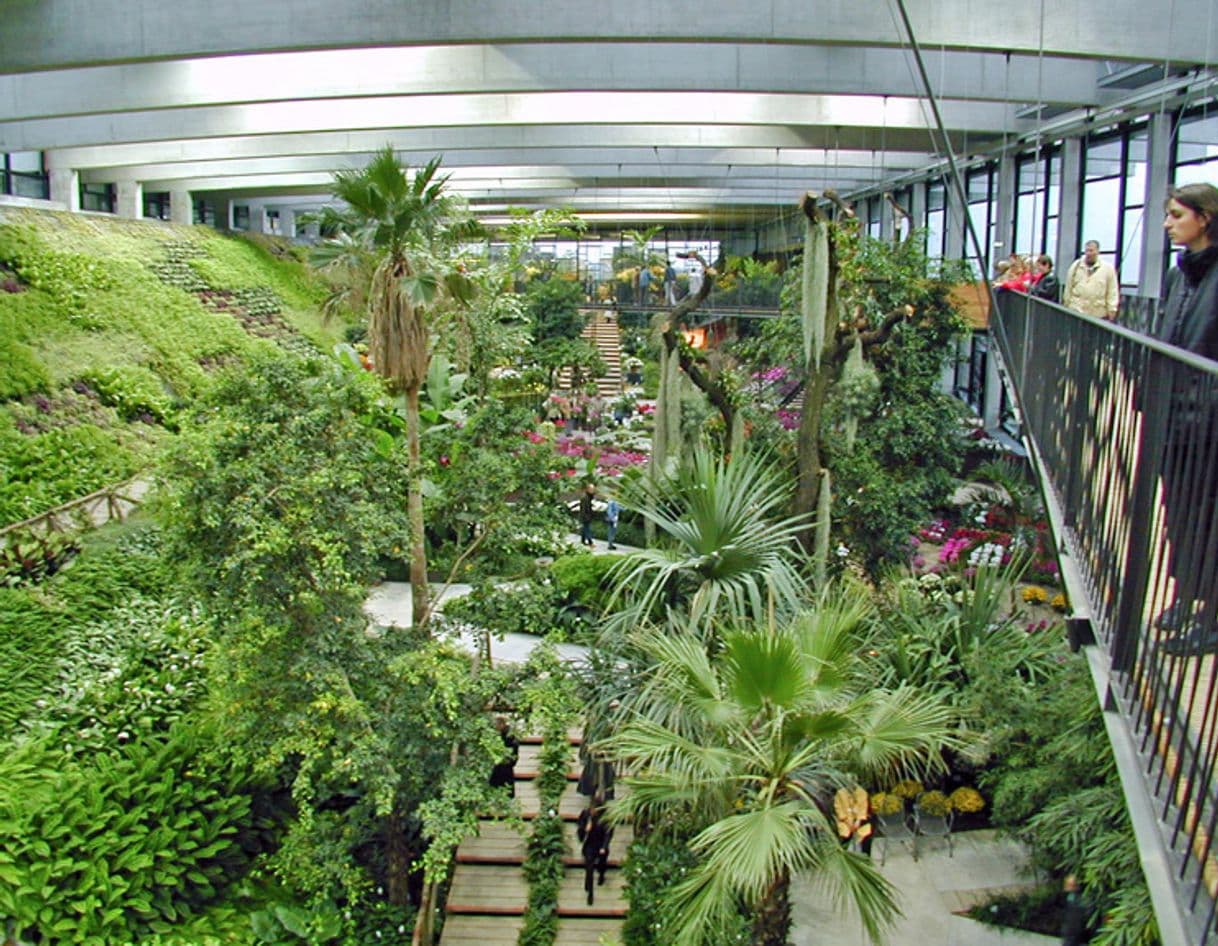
109,327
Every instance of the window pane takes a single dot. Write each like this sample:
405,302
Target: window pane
1198,139
1051,228
1100,210
1104,158
25,185
28,162
1027,227
1203,173
1131,251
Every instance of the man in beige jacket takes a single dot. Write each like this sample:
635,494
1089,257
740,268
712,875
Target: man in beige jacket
1091,285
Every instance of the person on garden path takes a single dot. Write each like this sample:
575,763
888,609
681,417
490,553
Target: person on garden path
504,771
1074,913
613,510
585,514
595,835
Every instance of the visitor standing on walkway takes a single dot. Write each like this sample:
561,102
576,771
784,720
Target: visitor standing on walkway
1190,321
1091,285
586,514
595,835
1074,914
670,284
1044,283
613,509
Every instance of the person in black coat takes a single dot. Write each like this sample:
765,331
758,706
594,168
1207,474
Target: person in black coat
595,834
1044,283
1075,913
504,771
1190,321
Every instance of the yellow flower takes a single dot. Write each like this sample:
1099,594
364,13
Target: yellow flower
934,803
1059,602
966,799
885,803
1035,594
907,788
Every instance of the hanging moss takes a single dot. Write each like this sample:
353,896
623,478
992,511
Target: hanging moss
815,295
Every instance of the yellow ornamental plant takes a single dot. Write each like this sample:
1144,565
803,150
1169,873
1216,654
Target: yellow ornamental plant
907,788
966,800
887,804
934,802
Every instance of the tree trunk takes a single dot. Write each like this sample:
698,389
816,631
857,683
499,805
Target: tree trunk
424,926
772,920
414,511
808,462
397,859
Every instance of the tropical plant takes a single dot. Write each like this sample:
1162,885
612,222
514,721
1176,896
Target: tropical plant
397,236
751,744
731,552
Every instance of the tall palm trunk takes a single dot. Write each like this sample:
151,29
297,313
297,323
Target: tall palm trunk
414,512
772,919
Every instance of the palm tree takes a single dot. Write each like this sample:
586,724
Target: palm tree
732,551
392,248
750,745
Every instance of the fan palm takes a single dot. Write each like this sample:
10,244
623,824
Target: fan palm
751,744
730,542
393,242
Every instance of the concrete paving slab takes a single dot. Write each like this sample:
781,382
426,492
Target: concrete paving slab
929,890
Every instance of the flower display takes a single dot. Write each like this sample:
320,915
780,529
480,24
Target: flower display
966,800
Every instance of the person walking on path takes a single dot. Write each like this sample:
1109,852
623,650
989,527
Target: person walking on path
612,511
1074,914
595,835
1091,285
586,514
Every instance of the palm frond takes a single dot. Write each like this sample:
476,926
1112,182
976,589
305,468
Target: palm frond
853,882
756,847
903,730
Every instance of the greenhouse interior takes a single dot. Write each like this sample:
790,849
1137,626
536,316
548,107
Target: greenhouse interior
621,475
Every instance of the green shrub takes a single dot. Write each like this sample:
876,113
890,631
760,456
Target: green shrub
109,853
525,607
51,468
583,578
30,631
134,391
22,373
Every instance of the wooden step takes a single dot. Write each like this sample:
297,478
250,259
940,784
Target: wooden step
528,763
472,930
608,899
495,890
570,804
488,889
476,930
498,842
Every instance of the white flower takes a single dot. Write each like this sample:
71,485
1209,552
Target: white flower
842,551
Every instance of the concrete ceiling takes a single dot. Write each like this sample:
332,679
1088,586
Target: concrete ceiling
626,106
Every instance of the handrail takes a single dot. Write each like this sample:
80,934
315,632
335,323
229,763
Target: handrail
117,505
1123,431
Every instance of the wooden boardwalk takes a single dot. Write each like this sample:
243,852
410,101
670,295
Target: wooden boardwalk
488,894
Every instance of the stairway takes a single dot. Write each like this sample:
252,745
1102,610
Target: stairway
601,331
487,897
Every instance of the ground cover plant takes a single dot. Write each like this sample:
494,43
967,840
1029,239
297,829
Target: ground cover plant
112,325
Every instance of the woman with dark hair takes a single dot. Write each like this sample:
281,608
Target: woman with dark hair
1190,321
594,834
1190,311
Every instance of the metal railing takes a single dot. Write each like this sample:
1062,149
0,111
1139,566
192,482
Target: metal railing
1124,432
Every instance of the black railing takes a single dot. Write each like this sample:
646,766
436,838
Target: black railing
1124,432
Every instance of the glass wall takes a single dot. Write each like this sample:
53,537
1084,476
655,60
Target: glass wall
980,184
100,198
1114,198
1038,185
936,219
22,175
1197,148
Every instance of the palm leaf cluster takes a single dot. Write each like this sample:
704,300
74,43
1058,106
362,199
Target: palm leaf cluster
729,549
749,741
